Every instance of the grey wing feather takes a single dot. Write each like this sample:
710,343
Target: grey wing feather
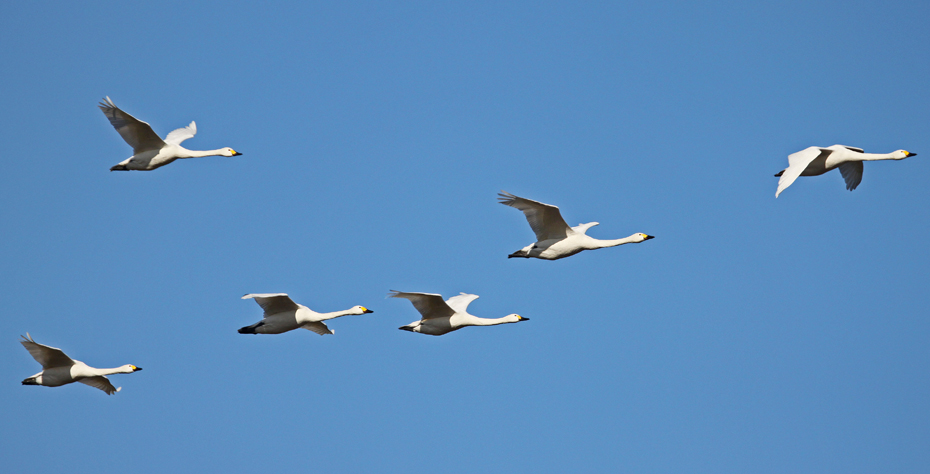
273,303
857,150
852,173
138,134
429,305
47,356
545,219
317,327
100,382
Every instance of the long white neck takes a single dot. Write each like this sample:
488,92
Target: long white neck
600,244
476,321
325,316
871,156
185,153
119,370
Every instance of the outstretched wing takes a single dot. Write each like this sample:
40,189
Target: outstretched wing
797,163
428,304
317,327
47,356
545,219
138,134
273,303
181,134
100,382
852,173
460,303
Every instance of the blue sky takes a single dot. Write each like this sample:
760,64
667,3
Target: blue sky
752,335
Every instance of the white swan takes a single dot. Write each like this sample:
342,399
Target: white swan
282,314
555,239
59,369
441,317
815,161
149,151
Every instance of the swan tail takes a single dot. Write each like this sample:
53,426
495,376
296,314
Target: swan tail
519,253
250,329
119,168
30,381
779,173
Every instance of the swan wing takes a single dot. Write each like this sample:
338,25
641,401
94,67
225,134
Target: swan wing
181,134
317,327
852,173
797,163
460,303
138,134
49,357
100,382
545,219
428,304
273,303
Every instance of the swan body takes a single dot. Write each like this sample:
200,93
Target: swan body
440,317
282,315
148,150
815,161
554,238
58,369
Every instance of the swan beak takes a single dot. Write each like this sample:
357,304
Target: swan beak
136,369
367,311
649,237
236,153
909,154
522,318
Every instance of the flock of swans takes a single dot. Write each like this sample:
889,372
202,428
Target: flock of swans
555,239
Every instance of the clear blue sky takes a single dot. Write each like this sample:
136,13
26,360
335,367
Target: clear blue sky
752,335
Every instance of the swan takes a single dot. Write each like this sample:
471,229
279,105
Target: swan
441,317
555,239
815,161
282,314
59,369
149,151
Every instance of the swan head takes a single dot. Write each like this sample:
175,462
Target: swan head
229,152
902,154
360,310
129,368
643,237
515,318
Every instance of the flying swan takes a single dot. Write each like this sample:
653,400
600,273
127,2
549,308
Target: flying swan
149,151
282,314
441,317
815,161
59,369
555,239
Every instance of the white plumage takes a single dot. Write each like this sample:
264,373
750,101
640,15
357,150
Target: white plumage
58,369
815,161
150,151
440,317
282,314
554,238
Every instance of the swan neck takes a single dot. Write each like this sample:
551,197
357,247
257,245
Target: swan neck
117,370
872,156
185,153
476,321
336,314
600,244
